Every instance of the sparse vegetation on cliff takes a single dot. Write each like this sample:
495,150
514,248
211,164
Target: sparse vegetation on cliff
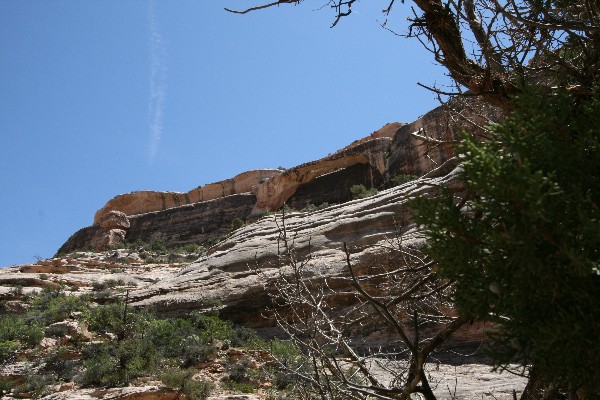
361,192
64,338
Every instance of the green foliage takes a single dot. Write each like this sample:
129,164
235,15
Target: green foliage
8,348
195,351
239,372
311,207
117,363
107,318
169,334
361,192
212,241
141,343
107,284
17,328
525,248
6,385
157,245
212,328
61,364
190,248
236,224
36,384
290,360
182,380
239,387
401,179
52,305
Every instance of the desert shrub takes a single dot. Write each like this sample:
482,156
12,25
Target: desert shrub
197,389
289,362
190,248
100,366
52,305
8,348
16,329
236,224
6,385
526,254
211,327
157,245
401,179
239,372
361,192
16,290
169,334
212,241
239,387
196,351
36,384
181,380
107,318
60,364
241,335
117,363
311,207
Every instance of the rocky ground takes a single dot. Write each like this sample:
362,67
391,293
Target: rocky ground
114,273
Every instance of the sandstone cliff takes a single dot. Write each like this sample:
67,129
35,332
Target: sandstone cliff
204,214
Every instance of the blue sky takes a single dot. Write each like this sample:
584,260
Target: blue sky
99,98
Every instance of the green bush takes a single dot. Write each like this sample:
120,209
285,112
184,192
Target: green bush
239,372
196,351
212,328
182,380
36,384
8,348
289,360
60,364
524,248
401,179
169,334
361,192
190,248
52,305
17,329
117,363
197,389
236,224
157,245
100,366
6,385
311,207
107,318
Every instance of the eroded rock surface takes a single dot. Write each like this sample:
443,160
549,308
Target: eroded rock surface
147,201
227,272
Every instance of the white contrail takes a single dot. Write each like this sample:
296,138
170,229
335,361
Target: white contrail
158,84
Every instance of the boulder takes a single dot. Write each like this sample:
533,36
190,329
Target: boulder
114,220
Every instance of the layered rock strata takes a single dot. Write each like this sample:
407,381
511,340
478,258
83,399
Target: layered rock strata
411,149
146,201
229,271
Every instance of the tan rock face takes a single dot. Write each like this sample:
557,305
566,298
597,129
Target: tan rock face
272,194
105,239
114,220
146,201
227,274
372,161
